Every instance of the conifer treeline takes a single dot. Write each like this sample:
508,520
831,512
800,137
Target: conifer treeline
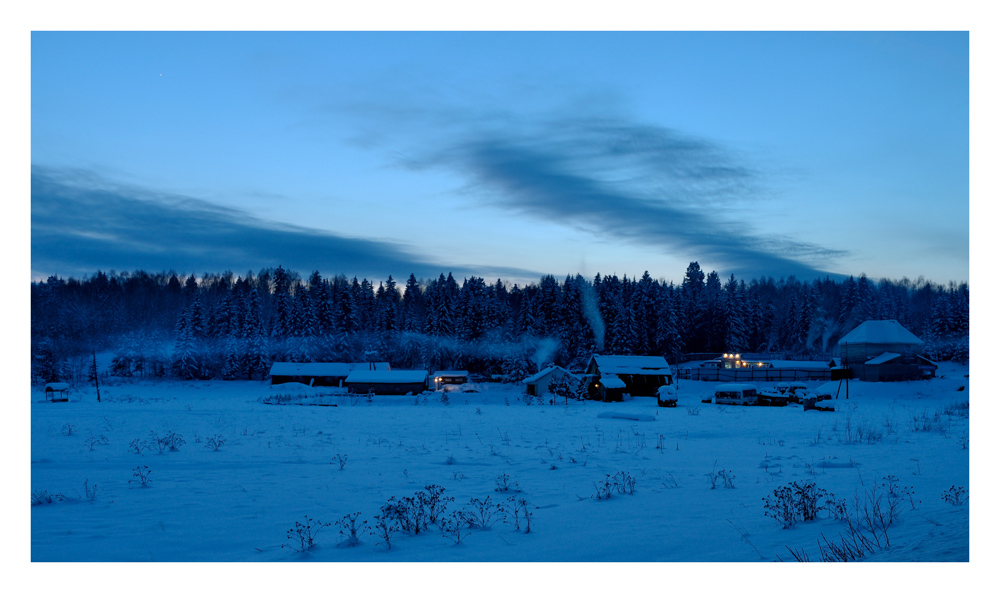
229,327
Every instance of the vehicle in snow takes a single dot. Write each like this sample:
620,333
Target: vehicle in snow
774,398
736,394
816,403
666,396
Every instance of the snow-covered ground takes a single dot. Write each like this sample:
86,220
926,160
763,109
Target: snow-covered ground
279,464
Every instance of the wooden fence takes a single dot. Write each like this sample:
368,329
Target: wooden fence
746,375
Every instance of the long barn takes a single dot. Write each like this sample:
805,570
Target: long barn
320,374
386,382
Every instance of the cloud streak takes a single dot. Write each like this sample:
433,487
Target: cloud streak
612,176
81,223
641,184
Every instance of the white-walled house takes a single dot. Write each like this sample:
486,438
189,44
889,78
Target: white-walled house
538,384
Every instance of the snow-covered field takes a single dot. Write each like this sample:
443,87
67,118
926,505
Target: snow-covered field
279,464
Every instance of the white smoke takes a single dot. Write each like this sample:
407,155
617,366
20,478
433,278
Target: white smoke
593,313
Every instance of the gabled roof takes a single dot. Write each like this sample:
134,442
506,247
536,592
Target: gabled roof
632,365
545,372
886,331
612,382
450,374
386,377
324,369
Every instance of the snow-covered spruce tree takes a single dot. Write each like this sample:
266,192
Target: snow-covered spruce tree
515,364
126,355
45,363
185,359
735,315
256,362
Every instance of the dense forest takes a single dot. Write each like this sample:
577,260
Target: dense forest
233,327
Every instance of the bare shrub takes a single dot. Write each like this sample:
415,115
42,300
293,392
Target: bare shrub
483,514
140,476
303,535
214,443
350,527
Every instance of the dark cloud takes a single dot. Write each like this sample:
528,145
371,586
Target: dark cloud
641,184
610,175
81,223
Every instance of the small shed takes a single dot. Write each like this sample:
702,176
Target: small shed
320,374
386,382
884,350
57,392
608,388
439,379
538,384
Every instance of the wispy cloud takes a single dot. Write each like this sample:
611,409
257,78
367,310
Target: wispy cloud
641,184
611,175
81,223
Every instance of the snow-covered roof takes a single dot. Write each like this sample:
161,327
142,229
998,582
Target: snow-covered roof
829,388
386,377
544,373
612,382
450,374
324,369
819,365
886,331
734,387
632,365
884,357
57,386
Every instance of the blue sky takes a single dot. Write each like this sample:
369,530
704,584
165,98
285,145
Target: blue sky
505,155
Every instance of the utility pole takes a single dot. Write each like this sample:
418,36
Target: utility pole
93,374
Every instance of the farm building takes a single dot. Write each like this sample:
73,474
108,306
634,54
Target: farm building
386,382
884,350
316,374
538,384
609,377
438,380
737,368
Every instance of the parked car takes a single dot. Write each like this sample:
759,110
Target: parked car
666,396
